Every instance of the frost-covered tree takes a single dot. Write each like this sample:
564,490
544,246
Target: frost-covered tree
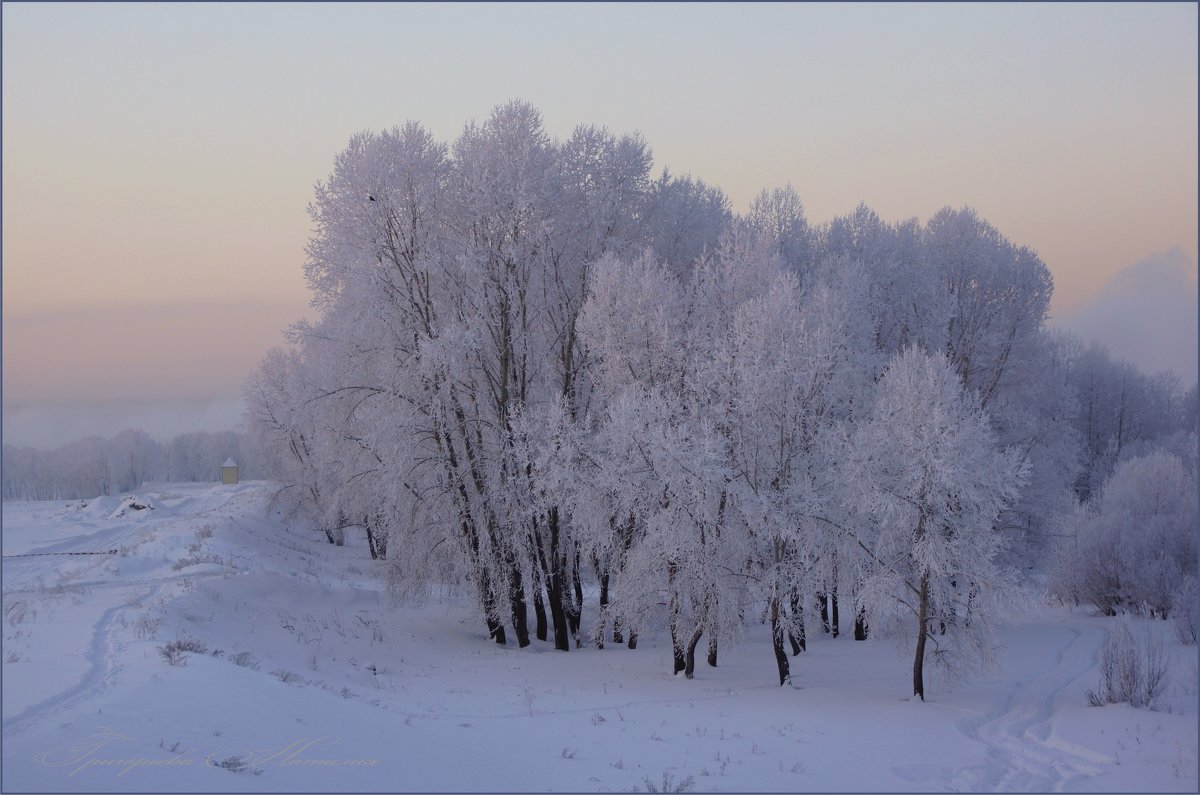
1121,412
801,358
908,302
931,475
661,489
631,326
685,218
779,214
1135,546
279,397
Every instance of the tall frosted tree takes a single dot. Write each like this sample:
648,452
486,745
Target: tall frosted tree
933,478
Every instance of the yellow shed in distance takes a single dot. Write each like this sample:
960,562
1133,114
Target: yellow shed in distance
229,473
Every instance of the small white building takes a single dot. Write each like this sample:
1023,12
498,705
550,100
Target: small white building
229,475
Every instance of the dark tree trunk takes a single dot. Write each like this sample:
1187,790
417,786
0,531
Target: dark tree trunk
627,542
370,540
823,599
558,613
796,635
833,609
677,647
487,593
833,596
710,620
575,608
781,660
520,612
680,658
674,607
860,624
539,612
971,594
496,630
376,544
689,669
381,545
603,577
919,661
491,612
339,532
555,572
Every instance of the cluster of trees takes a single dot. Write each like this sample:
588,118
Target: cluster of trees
1129,544
96,466
1123,413
538,367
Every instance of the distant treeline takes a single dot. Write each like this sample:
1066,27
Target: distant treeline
93,466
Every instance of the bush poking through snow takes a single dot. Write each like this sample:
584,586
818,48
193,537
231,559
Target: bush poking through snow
174,651
285,676
1133,670
1183,611
669,784
195,560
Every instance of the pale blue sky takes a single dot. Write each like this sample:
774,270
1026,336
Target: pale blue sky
160,155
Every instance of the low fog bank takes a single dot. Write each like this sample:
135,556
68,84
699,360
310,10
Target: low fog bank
1146,314
47,426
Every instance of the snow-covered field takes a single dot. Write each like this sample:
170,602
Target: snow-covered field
310,680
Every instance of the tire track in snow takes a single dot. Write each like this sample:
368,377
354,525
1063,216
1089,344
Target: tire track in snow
1021,757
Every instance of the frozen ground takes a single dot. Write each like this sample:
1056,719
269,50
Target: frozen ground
312,681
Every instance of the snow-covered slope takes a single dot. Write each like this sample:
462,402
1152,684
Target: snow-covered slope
311,680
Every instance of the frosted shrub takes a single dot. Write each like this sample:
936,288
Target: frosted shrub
1133,669
146,626
1136,545
1183,611
285,676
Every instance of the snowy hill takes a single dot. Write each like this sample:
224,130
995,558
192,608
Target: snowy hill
303,676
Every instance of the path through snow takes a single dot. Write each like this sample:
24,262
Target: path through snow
1016,732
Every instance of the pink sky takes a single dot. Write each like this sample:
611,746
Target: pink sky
158,157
